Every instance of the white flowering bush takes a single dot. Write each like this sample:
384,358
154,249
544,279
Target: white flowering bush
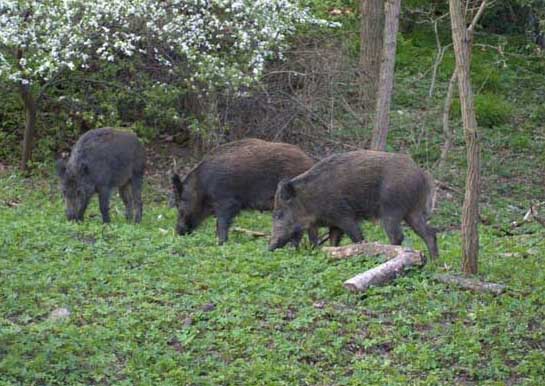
218,42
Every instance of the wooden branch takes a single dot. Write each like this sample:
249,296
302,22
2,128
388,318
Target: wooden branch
363,248
385,272
249,232
438,58
471,284
323,239
399,259
445,186
531,214
477,16
448,132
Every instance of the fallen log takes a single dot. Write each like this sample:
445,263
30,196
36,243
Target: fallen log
363,248
386,271
399,258
472,284
249,232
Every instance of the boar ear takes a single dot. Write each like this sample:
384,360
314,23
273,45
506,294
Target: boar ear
177,183
287,191
60,167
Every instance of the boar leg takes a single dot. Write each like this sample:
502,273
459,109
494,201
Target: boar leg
335,236
126,196
313,236
225,212
296,239
417,222
351,227
136,185
392,226
104,203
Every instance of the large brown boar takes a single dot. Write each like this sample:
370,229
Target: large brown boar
343,189
236,176
103,159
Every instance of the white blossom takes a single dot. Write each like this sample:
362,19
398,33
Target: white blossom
219,42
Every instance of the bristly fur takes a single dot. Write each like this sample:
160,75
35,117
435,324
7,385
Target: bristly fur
103,159
236,176
343,189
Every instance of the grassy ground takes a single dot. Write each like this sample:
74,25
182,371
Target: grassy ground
149,307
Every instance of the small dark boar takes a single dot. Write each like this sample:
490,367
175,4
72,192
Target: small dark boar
343,189
235,176
101,160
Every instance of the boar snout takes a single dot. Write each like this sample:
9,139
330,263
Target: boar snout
184,228
280,241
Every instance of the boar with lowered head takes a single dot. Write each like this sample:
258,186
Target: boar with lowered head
103,159
343,189
236,176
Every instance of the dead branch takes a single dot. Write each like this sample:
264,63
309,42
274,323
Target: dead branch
323,239
438,58
364,248
476,18
471,284
387,271
445,186
447,131
249,232
531,214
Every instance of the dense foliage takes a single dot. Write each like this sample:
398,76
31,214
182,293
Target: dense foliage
218,42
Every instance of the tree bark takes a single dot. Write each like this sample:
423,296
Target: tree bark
386,80
30,108
29,103
386,271
371,37
447,131
470,210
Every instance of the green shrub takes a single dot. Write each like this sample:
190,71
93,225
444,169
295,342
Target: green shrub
492,110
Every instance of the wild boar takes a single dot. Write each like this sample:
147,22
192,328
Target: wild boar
101,160
343,189
236,176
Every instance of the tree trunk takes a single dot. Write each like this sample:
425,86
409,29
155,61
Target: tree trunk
470,211
386,80
371,37
447,131
29,103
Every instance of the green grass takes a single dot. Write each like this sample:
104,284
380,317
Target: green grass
141,305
